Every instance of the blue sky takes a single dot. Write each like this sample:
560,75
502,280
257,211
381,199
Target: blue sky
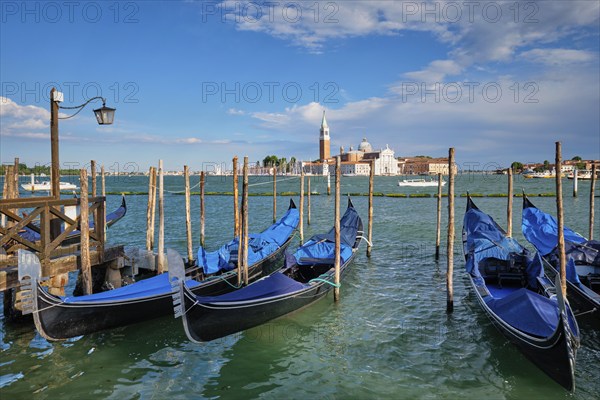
199,82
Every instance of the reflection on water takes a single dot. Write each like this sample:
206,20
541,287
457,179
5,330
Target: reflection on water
389,336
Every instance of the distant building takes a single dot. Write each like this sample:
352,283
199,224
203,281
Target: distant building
324,141
354,162
424,166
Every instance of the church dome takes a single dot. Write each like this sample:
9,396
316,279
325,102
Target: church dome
365,146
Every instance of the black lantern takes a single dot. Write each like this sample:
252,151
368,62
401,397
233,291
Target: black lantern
105,115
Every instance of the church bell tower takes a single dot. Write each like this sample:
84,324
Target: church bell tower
324,144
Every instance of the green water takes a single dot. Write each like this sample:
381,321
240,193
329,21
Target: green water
388,337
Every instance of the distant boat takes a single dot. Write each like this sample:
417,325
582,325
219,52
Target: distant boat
581,174
419,183
349,175
537,175
46,186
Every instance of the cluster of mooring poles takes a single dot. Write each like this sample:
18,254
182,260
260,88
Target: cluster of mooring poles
240,214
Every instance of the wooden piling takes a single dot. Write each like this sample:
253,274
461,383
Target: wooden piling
245,219
559,212
161,219
308,202
336,265
274,195
103,175
328,184
93,169
450,243
438,229
188,213
592,184
151,209
236,204
370,229
575,178
301,224
202,208
509,205
16,178
84,228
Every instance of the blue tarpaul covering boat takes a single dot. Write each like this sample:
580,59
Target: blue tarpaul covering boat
306,277
64,317
583,257
519,299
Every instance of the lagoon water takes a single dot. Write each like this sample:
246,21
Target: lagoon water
388,337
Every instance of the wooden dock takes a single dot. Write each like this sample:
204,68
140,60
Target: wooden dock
57,240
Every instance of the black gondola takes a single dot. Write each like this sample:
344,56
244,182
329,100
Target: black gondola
518,298
306,277
583,265
64,317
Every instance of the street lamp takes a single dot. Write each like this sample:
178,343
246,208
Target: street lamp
104,116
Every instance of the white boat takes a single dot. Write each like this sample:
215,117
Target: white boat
419,183
581,174
46,186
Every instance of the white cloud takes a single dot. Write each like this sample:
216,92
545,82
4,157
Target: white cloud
559,57
235,111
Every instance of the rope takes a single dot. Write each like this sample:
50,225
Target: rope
177,191
325,281
221,277
586,312
270,182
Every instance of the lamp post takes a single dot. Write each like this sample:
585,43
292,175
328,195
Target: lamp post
104,116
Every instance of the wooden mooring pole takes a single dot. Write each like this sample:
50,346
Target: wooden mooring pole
559,212
438,229
301,222
450,245
151,210
308,201
245,219
188,213
236,203
592,184
202,208
575,177
370,228
103,176
84,224
274,194
328,184
161,219
509,205
94,180
336,265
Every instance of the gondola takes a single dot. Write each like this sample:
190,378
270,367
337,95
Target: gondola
215,273
306,277
583,257
31,232
519,299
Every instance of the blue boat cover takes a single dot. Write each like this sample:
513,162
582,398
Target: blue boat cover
321,248
485,239
159,285
527,311
155,286
541,230
274,285
261,245
522,308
